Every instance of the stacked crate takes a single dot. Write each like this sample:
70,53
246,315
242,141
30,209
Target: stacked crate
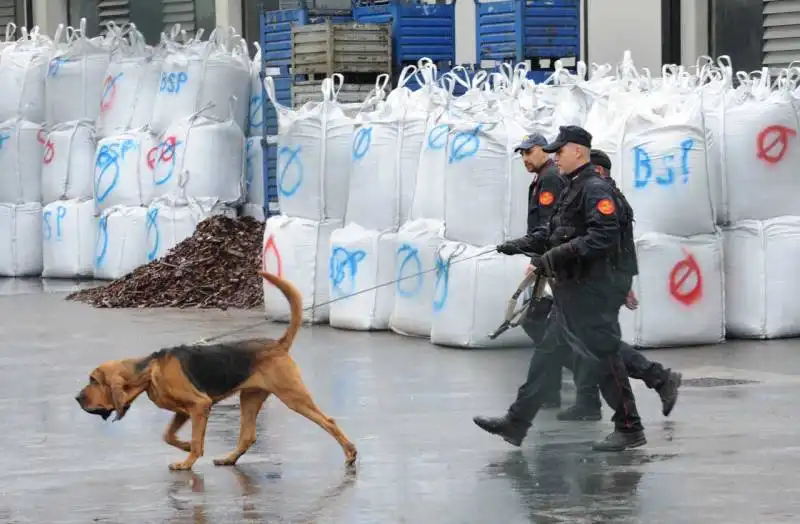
360,52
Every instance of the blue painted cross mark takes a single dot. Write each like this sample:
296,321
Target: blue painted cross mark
465,144
289,157
409,255
153,235
437,138
442,283
643,166
108,160
362,142
343,268
101,246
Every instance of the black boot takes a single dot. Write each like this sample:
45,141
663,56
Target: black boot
511,430
668,391
618,441
580,412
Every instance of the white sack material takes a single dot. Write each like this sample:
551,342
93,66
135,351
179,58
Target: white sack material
314,156
130,86
258,96
201,157
194,76
428,201
20,239
680,291
68,162
253,211
761,152
254,179
471,297
23,70
361,259
761,279
69,232
123,170
663,169
74,85
21,150
297,250
417,244
121,244
171,220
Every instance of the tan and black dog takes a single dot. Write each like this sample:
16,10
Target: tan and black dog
189,380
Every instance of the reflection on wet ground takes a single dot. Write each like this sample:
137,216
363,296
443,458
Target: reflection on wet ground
728,454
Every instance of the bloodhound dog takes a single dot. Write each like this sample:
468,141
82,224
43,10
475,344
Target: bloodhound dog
189,380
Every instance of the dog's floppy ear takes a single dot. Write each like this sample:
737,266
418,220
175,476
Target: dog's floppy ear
125,387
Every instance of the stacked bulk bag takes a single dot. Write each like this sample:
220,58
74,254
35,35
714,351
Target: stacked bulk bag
21,151
20,239
68,161
313,155
297,250
361,261
123,170
201,156
254,171
23,70
258,96
171,220
68,234
121,242
197,75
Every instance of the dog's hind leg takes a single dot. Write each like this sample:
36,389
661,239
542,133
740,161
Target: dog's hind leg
170,435
250,404
199,414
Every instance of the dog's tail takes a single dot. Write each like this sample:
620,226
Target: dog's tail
292,294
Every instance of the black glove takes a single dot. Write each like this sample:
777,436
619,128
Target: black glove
508,248
553,259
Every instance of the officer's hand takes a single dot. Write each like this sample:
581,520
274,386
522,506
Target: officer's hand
542,265
554,258
631,302
508,248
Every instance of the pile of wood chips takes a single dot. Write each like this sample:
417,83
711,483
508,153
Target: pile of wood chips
214,268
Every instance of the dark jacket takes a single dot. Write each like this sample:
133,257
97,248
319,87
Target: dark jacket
627,261
543,195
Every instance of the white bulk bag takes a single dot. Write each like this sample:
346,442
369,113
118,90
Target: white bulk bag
197,75
297,250
171,220
255,177
471,296
74,84
68,234
258,96
122,170
130,87
121,244
761,152
762,282
20,161
680,291
663,168
360,260
314,156
253,211
480,176
417,244
20,239
68,162
202,155
428,199
23,70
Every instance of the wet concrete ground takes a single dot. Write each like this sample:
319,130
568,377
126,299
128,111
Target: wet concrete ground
726,455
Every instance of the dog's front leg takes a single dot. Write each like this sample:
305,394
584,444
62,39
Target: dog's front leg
199,415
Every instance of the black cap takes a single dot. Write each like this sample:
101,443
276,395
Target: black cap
601,159
530,141
567,134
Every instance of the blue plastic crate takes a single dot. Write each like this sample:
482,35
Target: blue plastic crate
519,30
271,185
418,30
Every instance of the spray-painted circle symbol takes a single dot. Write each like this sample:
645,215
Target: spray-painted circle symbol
362,142
270,246
772,143
408,255
686,281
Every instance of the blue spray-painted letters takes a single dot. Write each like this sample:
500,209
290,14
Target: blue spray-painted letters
173,82
47,230
465,144
666,175
362,141
289,158
409,268
153,235
108,161
343,268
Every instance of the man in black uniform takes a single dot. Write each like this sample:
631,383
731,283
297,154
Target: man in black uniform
543,193
580,249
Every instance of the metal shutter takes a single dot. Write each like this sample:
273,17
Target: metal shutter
8,14
117,11
179,12
781,33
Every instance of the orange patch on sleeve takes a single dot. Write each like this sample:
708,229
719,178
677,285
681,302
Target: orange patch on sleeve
546,198
606,207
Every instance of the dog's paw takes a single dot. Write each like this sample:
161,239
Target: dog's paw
350,461
180,466
224,462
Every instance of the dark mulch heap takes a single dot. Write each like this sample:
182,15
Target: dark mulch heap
214,268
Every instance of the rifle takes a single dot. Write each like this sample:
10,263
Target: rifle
514,316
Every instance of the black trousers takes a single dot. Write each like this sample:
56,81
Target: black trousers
583,322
